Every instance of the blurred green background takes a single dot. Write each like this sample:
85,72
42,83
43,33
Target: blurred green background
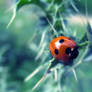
19,49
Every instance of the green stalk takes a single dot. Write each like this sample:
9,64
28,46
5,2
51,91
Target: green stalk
83,44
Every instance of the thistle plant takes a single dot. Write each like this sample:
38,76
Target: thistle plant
56,14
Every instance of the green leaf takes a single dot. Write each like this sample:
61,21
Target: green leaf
21,3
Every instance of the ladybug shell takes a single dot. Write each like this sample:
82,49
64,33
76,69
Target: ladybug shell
63,49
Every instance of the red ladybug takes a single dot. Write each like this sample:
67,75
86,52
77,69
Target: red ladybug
64,49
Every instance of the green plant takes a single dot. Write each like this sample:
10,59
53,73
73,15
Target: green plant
57,24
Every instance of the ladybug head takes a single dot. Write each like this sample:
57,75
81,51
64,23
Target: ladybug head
72,52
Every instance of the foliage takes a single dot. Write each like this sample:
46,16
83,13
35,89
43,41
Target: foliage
24,45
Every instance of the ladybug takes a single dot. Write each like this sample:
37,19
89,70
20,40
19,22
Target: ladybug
64,49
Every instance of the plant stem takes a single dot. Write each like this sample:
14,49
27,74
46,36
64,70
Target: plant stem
83,44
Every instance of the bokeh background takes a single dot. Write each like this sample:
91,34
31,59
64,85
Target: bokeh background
20,45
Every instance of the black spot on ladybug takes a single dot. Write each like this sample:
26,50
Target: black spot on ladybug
56,51
61,41
68,50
